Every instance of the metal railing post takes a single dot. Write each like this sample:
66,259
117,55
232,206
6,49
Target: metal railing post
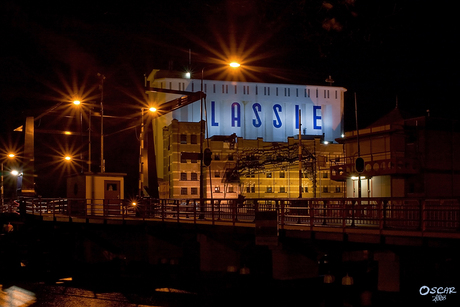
312,215
281,214
353,213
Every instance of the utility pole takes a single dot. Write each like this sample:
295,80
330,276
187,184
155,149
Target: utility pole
300,154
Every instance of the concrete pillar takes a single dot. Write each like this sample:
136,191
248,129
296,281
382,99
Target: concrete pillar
389,271
291,265
216,256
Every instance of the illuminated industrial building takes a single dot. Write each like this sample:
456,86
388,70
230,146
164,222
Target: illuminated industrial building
243,120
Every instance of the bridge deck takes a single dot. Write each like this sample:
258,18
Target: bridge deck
358,219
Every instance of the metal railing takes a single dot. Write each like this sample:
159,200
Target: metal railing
381,213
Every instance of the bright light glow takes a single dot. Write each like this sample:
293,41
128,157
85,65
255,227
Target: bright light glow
234,64
76,102
152,109
11,155
343,135
134,203
356,177
67,158
67,132
14,173
187,75
326,142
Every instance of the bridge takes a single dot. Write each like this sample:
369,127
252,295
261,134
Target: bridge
374,220
282,239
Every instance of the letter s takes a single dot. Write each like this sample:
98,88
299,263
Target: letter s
277,123
256,108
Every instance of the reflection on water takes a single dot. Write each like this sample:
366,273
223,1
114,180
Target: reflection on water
16,296
64,294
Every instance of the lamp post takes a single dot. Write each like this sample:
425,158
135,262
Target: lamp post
2,187
141,150
202,126
79,104
201,143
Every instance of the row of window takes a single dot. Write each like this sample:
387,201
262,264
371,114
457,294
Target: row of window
217,174
194,191
193,139
266,90
252,189
283,175
216,157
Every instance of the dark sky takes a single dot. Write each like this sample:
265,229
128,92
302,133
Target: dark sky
379,50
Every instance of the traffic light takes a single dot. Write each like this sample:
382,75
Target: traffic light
359,165
207,157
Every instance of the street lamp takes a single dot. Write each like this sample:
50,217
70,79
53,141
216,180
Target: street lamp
79,104
10,156
141,150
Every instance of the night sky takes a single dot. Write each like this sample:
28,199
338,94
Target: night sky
384,51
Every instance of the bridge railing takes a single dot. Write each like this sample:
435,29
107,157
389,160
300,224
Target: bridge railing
388,213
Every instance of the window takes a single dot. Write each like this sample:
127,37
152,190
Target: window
216,174
325,190
269,190
183,191
193,139
183,139
251,189
194,176
216,189
282,189
230,189
194,191
230,157
183,176
216,157
337,189
325,175
269,175
282,175
305,189
182,160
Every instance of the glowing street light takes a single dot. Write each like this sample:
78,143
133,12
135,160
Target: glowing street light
235,64
10,156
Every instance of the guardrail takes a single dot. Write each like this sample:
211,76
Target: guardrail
382,213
